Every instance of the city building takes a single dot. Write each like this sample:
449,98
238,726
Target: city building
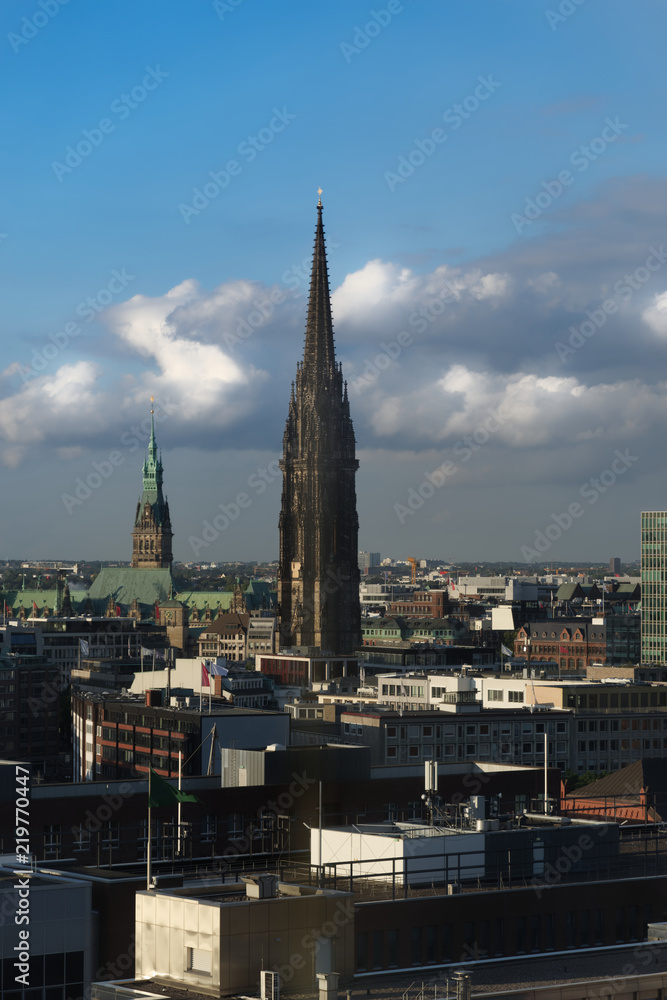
624,639
218,939
369,561
376,597
47,944
60,640
30,694
394,656
575,643
425,603
226,637
306,667
613,723
123,736
412,630
654,587
508,736
319,573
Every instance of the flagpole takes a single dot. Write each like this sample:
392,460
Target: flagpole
178,807
209,693
148,844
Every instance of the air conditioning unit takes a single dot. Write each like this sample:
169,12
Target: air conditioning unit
453,889
269,985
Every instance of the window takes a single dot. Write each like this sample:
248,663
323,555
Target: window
392,948
377,950
209,828
495,695
499,936
520,934
416,946
235,825
110,835
431,938
198,960
81,838
516,696
52,838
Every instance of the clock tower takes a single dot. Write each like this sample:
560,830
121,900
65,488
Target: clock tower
152,535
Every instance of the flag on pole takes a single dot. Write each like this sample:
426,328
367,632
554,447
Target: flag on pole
160,653
118,611
161,793
506,651
205,682
217,670
84,647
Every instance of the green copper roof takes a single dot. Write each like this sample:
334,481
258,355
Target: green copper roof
152,480
126,584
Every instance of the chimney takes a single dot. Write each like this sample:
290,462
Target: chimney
328,985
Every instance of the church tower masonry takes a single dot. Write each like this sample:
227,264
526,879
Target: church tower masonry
151,537
318,585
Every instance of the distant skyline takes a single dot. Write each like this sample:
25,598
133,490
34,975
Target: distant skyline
495,197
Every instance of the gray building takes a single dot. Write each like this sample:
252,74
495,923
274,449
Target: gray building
46,944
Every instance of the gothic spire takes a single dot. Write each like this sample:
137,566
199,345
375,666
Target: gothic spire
319,364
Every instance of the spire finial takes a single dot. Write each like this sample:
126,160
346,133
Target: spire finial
319,203
151,444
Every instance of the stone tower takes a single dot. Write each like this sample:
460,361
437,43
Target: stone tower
151,538
318,586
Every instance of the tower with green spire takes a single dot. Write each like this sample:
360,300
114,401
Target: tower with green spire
152,534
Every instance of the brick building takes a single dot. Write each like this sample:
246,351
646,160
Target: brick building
574,643
428,603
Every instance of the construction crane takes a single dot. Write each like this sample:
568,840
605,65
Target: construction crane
412,562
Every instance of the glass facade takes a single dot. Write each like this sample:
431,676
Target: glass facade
654,576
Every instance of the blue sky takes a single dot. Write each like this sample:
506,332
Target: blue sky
154,283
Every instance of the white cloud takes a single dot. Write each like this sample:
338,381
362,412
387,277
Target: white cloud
532,411
656,315
191,374
377,290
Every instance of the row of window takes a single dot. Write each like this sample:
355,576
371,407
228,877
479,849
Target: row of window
613,725
594,745
108,835
433,944
482,729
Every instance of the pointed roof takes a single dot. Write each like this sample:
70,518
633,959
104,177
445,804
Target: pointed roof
648,773
152,473
319,362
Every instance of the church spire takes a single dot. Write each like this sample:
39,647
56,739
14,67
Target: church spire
152,533
318,581
319,363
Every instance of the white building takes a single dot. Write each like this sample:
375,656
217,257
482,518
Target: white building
404,852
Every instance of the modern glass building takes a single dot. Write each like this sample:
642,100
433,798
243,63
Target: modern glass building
654,586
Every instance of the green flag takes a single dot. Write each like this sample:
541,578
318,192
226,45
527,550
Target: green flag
161,793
